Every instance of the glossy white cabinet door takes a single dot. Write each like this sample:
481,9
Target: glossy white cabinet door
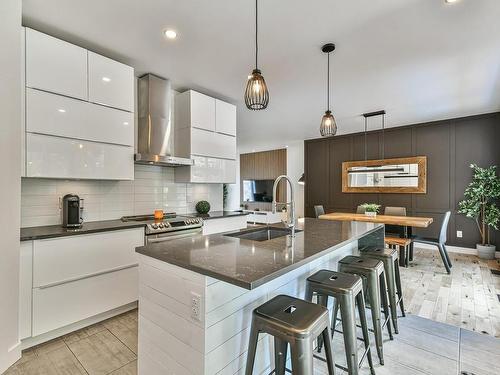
59,260
64,304
225,118
55,157
229,171
56,66
212,144
52,114
202,111
111,83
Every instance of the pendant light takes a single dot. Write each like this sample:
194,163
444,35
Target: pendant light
328,126
256,93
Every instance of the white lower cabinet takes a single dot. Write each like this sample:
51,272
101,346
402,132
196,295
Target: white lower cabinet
68,303
25,288
56,157
69,279
224,224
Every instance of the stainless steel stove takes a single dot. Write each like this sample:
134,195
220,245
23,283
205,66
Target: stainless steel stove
172,226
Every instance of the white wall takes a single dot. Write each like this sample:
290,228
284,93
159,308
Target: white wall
153,188
10,170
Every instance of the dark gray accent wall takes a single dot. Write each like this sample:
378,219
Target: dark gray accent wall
450,146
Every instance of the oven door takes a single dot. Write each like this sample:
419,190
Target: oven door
161,237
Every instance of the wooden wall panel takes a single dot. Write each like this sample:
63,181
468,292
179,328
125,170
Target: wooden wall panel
450,146
265,165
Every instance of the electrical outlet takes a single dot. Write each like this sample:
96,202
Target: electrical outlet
195,306
459,234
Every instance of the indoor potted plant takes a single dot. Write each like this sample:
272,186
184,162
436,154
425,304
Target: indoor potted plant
371,209
480,204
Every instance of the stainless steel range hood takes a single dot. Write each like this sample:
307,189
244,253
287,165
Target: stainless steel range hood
155,143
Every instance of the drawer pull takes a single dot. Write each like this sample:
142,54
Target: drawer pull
103,272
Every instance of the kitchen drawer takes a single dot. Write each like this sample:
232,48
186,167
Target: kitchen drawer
55,157
58,260
56,66
216,145
57,115
25,288
64,304
111,83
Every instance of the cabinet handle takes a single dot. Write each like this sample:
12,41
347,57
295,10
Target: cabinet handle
77,278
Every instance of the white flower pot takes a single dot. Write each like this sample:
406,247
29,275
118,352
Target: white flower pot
369,213
486,251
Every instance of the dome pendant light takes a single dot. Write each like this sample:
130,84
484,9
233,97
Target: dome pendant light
328,126
256,93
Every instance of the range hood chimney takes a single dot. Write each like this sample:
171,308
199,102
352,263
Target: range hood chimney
155,129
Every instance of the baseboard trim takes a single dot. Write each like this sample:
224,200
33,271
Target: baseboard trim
13,355
32,341
454,249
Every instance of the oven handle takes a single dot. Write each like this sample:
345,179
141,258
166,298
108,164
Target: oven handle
167,237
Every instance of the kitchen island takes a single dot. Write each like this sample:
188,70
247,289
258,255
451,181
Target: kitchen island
196,294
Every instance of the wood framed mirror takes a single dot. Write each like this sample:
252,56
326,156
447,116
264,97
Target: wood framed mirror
398,175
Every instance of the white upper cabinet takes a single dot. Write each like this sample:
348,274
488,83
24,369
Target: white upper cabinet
66,117
225,118
56,66
212,144
110,83
195,110
55,157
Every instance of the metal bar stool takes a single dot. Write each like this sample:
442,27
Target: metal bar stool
372,273
390,258
347,290
295,322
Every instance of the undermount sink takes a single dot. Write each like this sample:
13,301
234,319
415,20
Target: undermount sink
262,234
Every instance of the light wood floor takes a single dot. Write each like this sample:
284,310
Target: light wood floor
466,298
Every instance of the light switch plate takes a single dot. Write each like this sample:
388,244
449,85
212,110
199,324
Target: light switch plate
459,234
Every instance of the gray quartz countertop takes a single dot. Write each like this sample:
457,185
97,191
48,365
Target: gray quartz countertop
218,214
53,231
249,264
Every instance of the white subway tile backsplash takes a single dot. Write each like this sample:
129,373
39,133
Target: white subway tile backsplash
153,188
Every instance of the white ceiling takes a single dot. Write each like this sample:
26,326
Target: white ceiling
420,60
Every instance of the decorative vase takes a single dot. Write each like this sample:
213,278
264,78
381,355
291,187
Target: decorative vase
486,251
370,213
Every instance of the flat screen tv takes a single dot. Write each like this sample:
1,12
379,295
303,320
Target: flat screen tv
258,190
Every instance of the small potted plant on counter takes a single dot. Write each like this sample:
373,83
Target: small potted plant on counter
371,209
480,204
202,207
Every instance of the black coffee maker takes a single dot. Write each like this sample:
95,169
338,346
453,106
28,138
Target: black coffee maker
72,207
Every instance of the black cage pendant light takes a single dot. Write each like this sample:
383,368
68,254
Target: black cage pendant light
256,93
328,126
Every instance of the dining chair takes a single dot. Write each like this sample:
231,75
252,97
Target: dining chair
319,210
439,242
395,229
360,210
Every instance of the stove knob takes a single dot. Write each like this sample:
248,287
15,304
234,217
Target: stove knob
167,225
154,226
161,225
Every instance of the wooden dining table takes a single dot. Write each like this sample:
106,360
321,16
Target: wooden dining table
408,222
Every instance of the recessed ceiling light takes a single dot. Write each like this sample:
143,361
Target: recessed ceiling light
450,1
106,79
170,34
62,110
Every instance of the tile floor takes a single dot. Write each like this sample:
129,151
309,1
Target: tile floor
423,346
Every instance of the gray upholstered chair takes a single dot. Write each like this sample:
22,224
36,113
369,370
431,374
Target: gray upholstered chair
319,210
439,242
395,230
360,210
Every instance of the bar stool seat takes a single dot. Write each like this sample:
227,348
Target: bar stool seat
390,258
404,248
293,322
347,289
372,273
